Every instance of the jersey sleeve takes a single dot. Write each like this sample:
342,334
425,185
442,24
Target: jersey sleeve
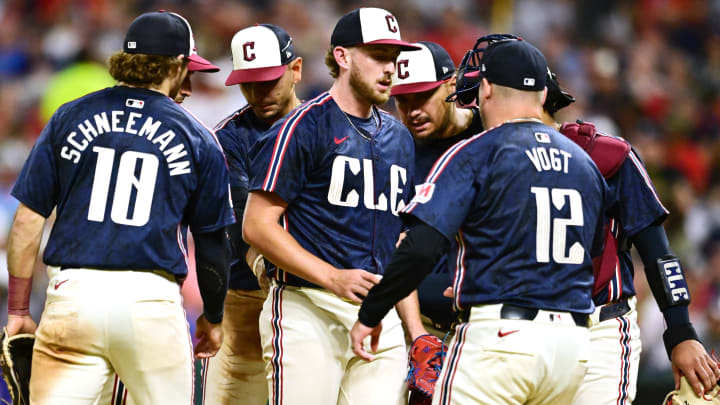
444,200
210,207
37,185
235,149
638,203
282,158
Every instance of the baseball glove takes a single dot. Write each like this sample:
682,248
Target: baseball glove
426,356
15,361
686,396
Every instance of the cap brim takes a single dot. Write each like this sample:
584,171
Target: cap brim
475,73
255,75
199,64
405,46
408,88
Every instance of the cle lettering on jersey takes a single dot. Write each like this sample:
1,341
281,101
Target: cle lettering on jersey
133,124
343,164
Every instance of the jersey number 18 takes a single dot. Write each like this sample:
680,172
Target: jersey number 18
143,183
576,253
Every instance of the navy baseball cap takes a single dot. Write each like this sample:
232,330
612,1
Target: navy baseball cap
513,63
163,33
369,26
260,53
422,70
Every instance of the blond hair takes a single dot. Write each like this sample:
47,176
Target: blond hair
332,64
143,70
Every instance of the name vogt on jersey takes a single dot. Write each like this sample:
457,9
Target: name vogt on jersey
133,124
548,158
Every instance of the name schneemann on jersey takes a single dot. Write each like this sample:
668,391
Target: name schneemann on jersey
133,124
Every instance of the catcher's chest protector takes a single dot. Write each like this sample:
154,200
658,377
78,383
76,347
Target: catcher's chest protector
608,153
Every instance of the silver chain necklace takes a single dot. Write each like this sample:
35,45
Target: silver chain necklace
372,114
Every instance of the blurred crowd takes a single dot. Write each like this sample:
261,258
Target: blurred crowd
646,70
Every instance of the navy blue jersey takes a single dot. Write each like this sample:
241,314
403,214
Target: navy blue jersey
524,205
128,170
430,292
637,207
344,188
237,133
427,152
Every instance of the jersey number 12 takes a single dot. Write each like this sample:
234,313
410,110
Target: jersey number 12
127,180
576,253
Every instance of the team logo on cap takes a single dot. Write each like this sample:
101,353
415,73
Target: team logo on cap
248,48
402,69
391,23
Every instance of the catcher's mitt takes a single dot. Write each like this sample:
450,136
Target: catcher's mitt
686,395
15,361
427,353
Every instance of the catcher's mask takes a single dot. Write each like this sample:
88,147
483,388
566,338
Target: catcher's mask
557,98
469,75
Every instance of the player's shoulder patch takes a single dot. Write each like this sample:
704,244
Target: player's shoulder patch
423,193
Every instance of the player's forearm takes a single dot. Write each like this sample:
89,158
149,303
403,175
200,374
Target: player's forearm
23,247
409,311
213,269
667,284
262,231
279,247
412,261
24,241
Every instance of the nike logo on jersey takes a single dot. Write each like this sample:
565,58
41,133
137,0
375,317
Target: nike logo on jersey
59,283
341,140
503,334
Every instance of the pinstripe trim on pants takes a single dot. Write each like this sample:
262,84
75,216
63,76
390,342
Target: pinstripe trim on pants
452,366
624,329
276,361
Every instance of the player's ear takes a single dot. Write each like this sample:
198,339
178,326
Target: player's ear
451,84
342,57
486,90
296,67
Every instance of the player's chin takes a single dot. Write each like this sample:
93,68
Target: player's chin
381,97
266,113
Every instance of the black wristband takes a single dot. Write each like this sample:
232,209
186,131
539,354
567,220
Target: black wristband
678,334
676,316
217,318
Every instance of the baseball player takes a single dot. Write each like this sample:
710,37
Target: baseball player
327,184
635,220
115,391
196,64
267,70
128,172
524,205
422,81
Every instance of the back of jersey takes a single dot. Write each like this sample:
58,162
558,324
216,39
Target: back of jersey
523,205
128,170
